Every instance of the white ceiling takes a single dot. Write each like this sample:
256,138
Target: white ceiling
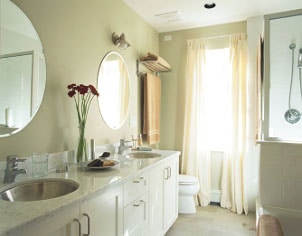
188,14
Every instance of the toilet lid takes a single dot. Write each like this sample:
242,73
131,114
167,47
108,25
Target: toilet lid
187,179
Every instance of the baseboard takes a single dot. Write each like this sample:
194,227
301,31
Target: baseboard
215,195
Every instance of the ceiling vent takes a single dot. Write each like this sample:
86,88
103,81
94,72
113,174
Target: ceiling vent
170,17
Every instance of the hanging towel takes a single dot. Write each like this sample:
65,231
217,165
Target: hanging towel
151,122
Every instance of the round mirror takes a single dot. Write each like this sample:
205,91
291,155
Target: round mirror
22,69
114,90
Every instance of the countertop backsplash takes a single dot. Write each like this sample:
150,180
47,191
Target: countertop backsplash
67,156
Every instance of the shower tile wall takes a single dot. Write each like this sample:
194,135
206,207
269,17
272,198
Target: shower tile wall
281,175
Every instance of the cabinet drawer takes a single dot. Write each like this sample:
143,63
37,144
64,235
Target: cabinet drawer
135,188
135,217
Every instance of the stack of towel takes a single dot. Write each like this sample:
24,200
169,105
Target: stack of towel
158,63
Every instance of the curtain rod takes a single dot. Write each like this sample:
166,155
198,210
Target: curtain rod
216,37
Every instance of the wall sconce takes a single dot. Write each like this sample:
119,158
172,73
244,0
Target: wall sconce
120,41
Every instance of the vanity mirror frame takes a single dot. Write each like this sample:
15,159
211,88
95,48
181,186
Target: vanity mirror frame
268,111
113,105
26,42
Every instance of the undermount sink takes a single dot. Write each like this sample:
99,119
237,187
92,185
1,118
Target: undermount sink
38,189
142,155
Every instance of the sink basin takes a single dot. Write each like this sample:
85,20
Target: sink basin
142,155
38,189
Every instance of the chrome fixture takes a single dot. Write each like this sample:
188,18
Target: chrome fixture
120,41
292,116
12,169
123,146
300,59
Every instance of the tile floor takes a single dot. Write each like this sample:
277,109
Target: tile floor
214,221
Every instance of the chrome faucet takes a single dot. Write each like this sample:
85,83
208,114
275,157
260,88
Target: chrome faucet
12,169
123,146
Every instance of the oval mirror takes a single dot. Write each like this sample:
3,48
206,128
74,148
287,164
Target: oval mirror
114,90
22,69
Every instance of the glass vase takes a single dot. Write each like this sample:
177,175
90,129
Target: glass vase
82,145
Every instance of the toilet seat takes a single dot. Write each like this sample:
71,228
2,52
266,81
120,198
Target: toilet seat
187,180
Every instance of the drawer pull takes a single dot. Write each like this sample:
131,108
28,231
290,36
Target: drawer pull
168,172
137,181
138,203
88,223
79,223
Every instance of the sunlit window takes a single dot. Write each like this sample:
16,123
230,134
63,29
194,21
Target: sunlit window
217,97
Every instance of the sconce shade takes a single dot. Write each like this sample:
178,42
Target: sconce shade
120,41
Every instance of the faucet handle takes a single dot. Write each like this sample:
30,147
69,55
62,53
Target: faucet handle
123,142
13,160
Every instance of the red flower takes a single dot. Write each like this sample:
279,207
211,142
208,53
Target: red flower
93,90
83,89
71,86
71,93
83,100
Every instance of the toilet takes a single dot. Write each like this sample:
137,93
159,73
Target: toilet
188,187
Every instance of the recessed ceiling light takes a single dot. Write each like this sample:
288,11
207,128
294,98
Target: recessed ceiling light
209,5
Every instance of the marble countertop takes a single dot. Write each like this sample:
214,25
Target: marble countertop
15,215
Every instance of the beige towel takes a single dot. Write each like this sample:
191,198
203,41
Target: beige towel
269,225
156,58
151,125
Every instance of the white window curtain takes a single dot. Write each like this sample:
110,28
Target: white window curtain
233,194
196,152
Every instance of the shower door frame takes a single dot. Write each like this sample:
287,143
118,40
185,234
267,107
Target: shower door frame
265,116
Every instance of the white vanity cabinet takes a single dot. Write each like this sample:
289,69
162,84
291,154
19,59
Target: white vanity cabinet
136,206
98,216
163,196
103,215
143,202
171,170
61,224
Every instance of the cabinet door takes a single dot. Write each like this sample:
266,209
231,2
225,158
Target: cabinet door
104,214
61,224
170,193
156,200
136,217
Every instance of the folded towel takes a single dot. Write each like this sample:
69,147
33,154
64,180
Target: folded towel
152,94
269,225
157,59
144,148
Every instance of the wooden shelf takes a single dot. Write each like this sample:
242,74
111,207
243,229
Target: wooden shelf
155,66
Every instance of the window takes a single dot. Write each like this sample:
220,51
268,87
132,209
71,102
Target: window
217,87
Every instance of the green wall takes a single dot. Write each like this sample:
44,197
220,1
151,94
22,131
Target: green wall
76,35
